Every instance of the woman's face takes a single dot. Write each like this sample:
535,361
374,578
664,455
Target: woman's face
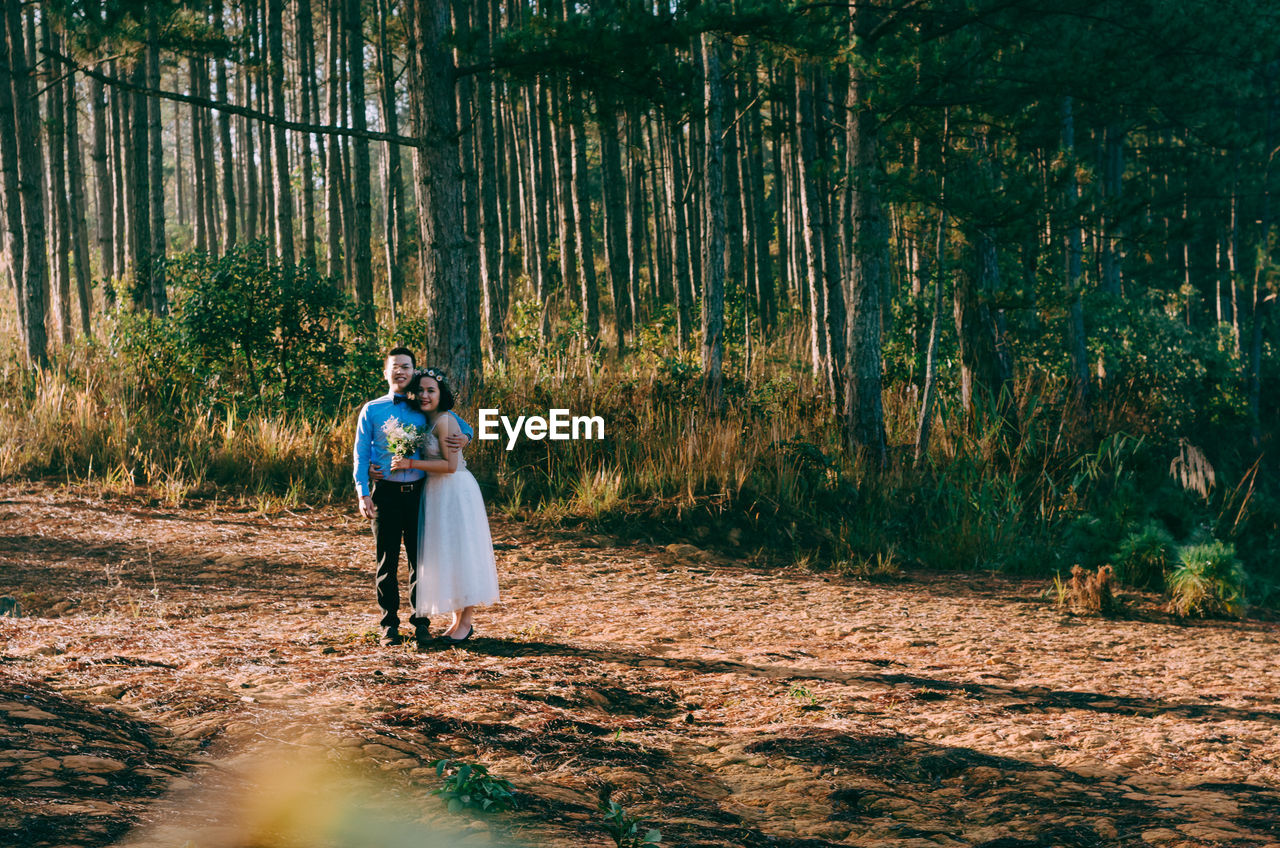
428,394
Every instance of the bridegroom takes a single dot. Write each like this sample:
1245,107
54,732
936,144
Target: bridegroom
391,500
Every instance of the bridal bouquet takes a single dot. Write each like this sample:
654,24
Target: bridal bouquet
402,439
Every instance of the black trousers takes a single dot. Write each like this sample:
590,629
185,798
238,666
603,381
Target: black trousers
396,523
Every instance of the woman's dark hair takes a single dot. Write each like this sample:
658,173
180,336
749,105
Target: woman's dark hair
415,388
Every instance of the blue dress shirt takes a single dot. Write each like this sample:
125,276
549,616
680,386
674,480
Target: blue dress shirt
371,441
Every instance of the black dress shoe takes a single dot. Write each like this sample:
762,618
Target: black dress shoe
449,640
422,636
390,639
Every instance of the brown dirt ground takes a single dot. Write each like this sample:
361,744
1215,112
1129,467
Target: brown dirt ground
208,676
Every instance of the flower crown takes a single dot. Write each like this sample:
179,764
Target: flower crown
433,373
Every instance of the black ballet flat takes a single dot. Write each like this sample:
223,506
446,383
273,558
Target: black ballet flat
449,640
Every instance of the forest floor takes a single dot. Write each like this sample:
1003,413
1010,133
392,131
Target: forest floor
209,676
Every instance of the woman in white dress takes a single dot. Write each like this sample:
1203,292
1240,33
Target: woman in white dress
456,567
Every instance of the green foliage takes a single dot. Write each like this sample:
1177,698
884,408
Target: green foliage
628,831
468,785
1208,581
1144,556
253,329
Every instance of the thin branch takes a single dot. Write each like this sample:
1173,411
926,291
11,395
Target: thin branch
231,108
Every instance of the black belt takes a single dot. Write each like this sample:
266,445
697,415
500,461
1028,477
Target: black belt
402,488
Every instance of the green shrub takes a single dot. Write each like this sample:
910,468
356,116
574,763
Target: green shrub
1209,581
471,785
1144,556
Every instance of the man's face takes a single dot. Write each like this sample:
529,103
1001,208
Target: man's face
398,371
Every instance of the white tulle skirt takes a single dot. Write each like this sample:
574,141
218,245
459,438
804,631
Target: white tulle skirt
456,567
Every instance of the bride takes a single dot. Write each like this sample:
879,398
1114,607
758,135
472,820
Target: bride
456,567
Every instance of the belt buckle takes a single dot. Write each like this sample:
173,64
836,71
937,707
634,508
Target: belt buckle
406,487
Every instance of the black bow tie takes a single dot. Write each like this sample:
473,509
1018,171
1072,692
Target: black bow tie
400,399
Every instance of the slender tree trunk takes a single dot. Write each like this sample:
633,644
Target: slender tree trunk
79,224
283,189
15,232
680,245
615,240
198,155
229,209
155,183
1076,341
582,222
812,224
31,183
362,250
102,180
489,179
929,388
311,147
333,179
248,154
394,220
139,189
713,245
55,127
635,215
122,236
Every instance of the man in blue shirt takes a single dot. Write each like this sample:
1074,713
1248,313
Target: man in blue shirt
391,499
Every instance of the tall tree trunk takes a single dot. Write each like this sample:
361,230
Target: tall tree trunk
440,191
198,154
15,232
362,248
680,245
79,224
394,220
582,222
283,189
31,183
713,244
311,146
229,209
863,402
55,117
247,152
155,161
139,189
929,388
635,214
1112,174
762,216
812,225
333,176
119,168
102,180
1076,341
615,235
489,180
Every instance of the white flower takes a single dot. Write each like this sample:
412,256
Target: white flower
402,439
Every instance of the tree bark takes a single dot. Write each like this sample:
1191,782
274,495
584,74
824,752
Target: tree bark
361,248
615,235
229,209
159,297
55,130
713,243
588,285
394,219
440,191
1076,340
79,224
863,403
102,180
15,232
333,178
283,189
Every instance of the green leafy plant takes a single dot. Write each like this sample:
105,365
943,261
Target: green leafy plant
470,785
1209,581
1144,556
626,829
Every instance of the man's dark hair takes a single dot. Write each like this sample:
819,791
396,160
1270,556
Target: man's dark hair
400,351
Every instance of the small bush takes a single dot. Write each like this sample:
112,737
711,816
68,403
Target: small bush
1144,557
1089,593
1209,581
